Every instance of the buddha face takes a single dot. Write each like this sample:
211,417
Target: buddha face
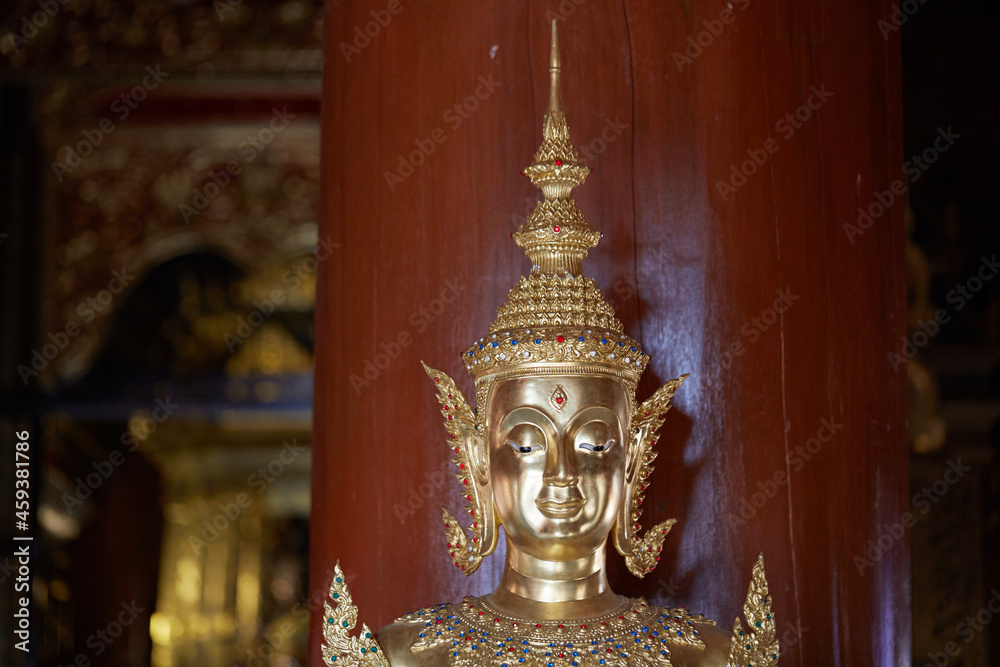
557,460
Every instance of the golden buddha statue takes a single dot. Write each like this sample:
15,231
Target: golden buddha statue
559,454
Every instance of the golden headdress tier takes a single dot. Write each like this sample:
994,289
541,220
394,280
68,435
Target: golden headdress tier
556,237
556,320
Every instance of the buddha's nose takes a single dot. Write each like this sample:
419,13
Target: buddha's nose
560,464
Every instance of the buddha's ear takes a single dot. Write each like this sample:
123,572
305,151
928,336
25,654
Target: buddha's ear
461,424
467,444
641,554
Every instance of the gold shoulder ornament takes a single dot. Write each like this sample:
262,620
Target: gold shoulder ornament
340,648
758,646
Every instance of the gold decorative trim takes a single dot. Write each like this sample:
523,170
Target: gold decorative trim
465,440
758,646
585,348
642,555
476,635
339,647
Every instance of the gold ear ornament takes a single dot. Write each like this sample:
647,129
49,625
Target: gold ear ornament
468,445
642,555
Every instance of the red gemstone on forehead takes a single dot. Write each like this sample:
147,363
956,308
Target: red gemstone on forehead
559,399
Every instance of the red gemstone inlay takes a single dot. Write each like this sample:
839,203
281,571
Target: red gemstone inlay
556,229
558,163
559,339
559,400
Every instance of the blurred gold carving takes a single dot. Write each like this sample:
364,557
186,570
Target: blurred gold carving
270,351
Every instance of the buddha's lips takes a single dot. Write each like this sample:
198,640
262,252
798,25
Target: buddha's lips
558,508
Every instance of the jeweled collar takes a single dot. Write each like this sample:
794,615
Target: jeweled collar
476,634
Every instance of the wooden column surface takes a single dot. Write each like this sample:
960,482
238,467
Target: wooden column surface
423,264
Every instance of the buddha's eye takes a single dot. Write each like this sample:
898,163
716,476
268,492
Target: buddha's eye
597,448
526,439
595,436
522,449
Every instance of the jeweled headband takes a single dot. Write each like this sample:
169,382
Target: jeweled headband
556,320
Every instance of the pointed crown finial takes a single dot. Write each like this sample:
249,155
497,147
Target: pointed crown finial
556,237
555,100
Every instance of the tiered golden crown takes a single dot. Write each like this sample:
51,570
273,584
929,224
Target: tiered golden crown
556,320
